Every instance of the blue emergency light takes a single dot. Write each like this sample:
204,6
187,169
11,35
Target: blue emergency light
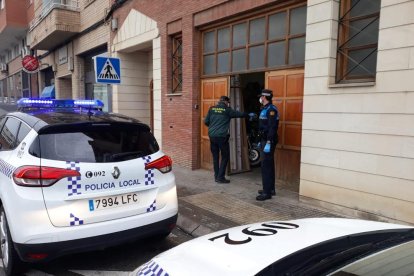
54,103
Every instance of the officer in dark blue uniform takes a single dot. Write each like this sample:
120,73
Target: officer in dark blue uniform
268,125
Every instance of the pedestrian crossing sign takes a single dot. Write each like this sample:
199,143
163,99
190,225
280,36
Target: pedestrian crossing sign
107,70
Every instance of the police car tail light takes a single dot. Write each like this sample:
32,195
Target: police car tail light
35,176
163,164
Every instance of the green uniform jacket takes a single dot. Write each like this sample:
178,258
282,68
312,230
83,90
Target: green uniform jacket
218,119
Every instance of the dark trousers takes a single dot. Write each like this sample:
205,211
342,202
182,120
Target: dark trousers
268,168
220,145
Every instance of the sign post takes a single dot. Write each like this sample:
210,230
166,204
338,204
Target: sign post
107,70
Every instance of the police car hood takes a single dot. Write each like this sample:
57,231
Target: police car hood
246,250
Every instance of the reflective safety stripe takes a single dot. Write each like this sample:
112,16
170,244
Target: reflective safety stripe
151,269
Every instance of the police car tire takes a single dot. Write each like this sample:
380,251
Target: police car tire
13,265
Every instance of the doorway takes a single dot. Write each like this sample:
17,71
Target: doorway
243,93
243,89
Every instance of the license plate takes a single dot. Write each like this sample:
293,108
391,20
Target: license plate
112,201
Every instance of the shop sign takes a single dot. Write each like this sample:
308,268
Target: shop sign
63,55
30,64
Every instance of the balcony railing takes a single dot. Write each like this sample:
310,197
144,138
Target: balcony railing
49,5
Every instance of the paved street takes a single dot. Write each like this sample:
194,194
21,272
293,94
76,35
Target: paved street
120,260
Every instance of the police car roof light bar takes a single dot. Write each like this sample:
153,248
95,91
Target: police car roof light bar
53,103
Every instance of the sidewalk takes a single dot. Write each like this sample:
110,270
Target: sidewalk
206,206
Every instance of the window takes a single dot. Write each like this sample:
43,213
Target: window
23,131
95,144
177,64
8,134
357,40
274,40
2,4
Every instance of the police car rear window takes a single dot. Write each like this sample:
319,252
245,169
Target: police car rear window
96,143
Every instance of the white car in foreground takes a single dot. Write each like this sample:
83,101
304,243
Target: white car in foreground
319,246
74,178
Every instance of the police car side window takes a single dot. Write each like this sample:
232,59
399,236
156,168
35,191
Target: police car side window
23,131
2,121
9,133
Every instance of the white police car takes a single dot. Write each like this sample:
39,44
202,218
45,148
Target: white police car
74,178
319,246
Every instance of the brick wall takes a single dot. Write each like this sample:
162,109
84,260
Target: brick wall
91,40
180,119
92,11
63,88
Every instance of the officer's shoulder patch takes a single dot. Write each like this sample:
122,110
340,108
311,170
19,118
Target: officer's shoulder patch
272,113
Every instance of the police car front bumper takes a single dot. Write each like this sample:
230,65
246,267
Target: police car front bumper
49,251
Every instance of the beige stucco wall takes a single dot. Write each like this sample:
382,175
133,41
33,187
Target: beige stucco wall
358,141
137,44
132,96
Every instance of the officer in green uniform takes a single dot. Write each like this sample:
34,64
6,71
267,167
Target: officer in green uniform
218,122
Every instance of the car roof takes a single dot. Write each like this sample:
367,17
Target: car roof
40,118
218,257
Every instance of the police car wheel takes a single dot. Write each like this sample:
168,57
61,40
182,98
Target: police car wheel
11,261
254,157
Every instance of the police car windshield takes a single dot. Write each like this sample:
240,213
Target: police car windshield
96,143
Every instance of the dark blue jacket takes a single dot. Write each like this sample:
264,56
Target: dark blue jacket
269,123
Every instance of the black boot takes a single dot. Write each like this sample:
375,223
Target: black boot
273,193
222,180
263,196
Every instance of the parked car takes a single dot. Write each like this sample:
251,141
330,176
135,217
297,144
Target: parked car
74,178
318,246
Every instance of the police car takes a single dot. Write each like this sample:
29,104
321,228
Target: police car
74,178
319,246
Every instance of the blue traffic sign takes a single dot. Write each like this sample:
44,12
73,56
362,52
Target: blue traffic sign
107,70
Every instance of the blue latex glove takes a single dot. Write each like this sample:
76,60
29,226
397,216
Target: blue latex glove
267,148
252,116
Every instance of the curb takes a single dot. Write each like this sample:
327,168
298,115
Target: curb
191,227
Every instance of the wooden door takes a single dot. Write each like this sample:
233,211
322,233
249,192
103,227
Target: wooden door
287,87
211,91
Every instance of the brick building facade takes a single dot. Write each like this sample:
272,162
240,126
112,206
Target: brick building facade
322,95
341,76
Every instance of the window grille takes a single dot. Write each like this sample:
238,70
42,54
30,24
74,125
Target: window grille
177,64
357,40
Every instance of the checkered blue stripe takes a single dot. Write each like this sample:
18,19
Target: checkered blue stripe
74,221
74,186
149,174
151,269
152,207
6,168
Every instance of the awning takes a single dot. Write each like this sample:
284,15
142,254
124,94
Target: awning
48,92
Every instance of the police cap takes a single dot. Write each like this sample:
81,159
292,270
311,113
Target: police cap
267,93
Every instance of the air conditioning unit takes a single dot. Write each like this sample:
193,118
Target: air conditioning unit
3,67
